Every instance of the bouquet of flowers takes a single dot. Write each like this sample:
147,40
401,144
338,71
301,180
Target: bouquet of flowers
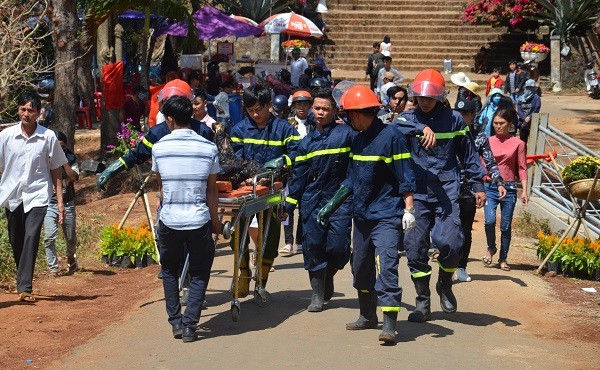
295,43
128,138
532,47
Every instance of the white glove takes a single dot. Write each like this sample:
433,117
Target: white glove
408,221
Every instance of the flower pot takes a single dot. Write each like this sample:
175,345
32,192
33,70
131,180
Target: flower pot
303,51
126,262
581,188
105,258
140,261
534,57
597,275
553,266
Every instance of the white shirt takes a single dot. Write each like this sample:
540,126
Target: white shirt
397,77
184,161
25,164
208,120
297,68
301,126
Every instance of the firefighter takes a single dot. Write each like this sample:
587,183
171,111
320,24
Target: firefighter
381,180
436,156
319,168
270,141
143,151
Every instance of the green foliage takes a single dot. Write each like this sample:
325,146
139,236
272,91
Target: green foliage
581,168
127,242
257,10
528,225
579,256
568,18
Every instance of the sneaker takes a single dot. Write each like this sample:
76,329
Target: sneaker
72,268
286,250
299,248
461,275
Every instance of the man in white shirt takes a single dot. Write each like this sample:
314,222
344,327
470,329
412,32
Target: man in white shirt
297,66
30,162
387,67
187,167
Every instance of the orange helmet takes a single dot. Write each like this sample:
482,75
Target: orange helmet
359,97
429,83
175,88
301,95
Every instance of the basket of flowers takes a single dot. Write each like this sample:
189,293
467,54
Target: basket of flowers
531,51
290,45
579,177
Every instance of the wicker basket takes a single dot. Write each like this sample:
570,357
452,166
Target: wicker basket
581,188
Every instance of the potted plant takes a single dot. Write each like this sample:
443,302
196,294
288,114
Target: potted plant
289,45
531,51
579,177
127,247
545,244
577,256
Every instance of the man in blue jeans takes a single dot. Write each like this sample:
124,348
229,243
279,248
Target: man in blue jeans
70,174
187,166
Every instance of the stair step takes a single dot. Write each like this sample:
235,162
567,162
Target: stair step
402,31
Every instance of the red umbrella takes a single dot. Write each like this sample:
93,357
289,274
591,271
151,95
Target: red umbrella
291,23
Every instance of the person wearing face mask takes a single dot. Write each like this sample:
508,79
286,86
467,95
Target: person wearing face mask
527,104
136,107
484,118
437,160
380,179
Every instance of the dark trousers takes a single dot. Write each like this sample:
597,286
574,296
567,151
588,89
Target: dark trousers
326,246
375,259
467,216
24,231
288,231
201,250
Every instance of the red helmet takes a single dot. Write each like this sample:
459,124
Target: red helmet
359,97
175,88
301,95
429,83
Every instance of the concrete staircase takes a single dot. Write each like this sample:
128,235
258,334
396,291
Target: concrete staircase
423,33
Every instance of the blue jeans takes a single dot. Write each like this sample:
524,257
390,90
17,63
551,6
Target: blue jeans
507,208
51,231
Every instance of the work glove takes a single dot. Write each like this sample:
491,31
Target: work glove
110,172
275,164
334,203
408,221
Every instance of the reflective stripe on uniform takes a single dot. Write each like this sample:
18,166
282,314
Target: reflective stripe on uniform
124,164
420,274
289,138
291,200
451,135
446,269
147,143
264,142
322,152
364,291
377,265
288,160
375,158
390,309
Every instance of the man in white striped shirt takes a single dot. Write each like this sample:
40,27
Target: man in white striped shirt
187,167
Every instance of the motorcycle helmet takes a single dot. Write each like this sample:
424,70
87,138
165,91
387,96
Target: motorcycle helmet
280,103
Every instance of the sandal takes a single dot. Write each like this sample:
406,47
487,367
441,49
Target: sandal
435,255
504,266
487,259
26,297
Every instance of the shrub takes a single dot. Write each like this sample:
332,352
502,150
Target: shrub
128,242
576,255
499,13
581,168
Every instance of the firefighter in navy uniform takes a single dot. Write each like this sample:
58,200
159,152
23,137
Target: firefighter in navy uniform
320,166
381,180
436,156
270,141
143,151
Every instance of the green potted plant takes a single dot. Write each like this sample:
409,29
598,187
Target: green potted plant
579,177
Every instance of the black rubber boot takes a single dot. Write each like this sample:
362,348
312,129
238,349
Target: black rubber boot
444,289
422,310
329,289
368,312
388,332
317,283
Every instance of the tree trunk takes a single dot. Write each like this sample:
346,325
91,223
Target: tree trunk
64,25
572,66
85,80
109,124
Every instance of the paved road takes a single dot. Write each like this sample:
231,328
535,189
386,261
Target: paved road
505,320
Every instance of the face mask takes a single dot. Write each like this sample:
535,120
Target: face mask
143,96
496,100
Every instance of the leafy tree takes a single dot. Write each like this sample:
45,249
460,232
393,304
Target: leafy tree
257,10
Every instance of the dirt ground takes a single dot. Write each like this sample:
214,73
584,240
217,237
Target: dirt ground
73,309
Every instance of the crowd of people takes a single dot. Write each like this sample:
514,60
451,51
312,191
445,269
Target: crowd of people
394,167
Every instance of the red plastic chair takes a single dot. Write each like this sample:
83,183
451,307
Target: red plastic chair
84,117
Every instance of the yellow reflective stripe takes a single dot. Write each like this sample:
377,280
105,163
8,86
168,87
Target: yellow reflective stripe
256,141
147,143
390,309
376,158
420,274
288,160
236,139
289,138
377,266
446,269
322,152
124,164
364,291
291,200
451,135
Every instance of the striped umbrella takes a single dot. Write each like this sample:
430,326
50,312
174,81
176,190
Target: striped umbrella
291,23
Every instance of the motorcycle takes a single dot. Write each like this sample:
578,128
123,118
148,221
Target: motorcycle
591,80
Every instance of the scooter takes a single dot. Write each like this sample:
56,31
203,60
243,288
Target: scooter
591,80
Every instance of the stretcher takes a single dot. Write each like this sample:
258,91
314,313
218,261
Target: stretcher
240,206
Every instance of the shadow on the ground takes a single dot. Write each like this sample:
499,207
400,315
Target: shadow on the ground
70,298
478,277
410,331
96,272
587,116
475,319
